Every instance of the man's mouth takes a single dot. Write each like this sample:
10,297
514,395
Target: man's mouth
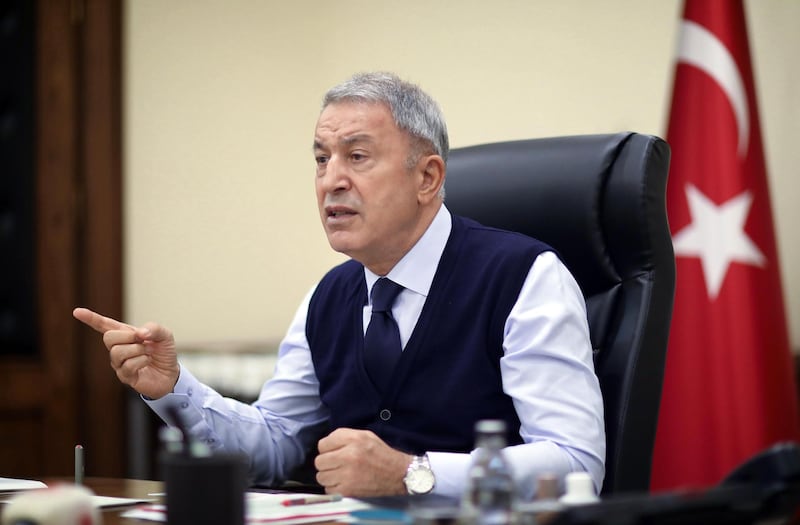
338,212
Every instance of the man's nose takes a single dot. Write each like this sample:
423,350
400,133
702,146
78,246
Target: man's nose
336,176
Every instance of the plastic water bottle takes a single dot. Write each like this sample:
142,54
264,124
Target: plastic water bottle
490,496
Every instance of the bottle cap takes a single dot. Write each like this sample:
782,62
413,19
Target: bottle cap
580,489
547,487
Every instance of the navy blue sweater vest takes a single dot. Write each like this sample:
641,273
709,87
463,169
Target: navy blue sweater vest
449,374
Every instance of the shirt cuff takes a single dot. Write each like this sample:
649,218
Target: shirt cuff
450,470
183,397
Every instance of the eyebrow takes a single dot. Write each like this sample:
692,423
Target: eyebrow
347,141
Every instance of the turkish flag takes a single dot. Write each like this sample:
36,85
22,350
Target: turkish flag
729,387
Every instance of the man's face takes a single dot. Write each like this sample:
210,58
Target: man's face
367,196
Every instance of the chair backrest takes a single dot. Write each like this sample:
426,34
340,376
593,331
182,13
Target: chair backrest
599,200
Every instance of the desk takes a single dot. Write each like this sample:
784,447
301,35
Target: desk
139,489
662,509
116,487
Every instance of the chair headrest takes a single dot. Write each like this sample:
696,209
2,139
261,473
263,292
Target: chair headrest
569,206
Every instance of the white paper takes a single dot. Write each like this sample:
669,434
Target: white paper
268,508
107,502
13,484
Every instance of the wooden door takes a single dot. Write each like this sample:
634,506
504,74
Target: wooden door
56,388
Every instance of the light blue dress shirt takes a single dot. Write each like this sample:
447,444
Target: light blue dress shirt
547,370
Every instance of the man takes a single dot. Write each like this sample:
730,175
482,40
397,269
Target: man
491,326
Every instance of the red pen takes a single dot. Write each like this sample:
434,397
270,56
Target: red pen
310,500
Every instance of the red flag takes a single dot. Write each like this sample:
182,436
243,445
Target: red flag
729,388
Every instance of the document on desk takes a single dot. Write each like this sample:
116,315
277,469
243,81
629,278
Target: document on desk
109,502
10,487
15,485
272,508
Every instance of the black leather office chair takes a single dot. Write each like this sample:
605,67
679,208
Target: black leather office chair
599,200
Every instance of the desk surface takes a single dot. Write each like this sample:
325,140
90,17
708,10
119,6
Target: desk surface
139,489
116,487
136,489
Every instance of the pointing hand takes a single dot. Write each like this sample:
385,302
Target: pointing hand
143,357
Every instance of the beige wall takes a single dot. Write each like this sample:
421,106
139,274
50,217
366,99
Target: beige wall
221,97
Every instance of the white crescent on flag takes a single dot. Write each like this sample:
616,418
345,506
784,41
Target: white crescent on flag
701,48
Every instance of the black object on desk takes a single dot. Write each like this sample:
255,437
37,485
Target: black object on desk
767,486
205,490
202,488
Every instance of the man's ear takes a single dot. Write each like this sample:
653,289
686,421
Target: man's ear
432,170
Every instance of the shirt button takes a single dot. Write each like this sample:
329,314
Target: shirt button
385,414
189,392
184,405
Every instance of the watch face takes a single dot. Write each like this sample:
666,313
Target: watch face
420,481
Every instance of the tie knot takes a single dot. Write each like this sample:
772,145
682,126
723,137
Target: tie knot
384,292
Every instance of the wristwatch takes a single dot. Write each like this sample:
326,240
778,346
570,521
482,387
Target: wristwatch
419,477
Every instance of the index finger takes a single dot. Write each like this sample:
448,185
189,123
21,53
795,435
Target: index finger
98,322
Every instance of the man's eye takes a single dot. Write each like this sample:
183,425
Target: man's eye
357,156
321,159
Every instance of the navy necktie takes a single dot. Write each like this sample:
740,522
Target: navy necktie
382,346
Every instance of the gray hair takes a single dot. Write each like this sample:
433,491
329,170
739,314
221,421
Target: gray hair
413,110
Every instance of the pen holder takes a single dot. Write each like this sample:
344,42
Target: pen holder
205,490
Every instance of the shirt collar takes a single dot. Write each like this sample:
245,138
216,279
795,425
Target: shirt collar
416,269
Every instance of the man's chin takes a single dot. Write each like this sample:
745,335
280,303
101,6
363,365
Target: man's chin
340,243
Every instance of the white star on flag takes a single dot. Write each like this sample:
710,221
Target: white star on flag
716,235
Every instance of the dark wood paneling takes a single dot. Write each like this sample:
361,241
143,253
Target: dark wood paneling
21,430
57,140
22,387
101,274
65,393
